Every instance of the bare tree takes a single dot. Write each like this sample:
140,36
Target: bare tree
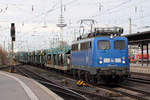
3,56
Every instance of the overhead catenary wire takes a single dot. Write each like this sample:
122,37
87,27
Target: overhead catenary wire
132,7
52,9
117,7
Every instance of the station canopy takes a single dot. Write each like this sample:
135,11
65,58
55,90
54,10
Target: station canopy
139,37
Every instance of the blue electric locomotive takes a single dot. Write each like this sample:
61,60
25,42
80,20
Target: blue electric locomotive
100,56
103,56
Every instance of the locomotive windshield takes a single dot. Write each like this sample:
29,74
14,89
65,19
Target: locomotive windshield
119,44
103,44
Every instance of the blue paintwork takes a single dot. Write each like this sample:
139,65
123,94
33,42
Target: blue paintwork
92,55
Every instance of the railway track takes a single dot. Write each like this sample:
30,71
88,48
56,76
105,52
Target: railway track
119,90
63,92
8,66
60,90
126,91
139,80
129,92
5,67
145,79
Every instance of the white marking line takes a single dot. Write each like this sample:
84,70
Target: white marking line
29,92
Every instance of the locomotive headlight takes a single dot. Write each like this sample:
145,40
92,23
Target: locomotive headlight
123,62
100,62
123,58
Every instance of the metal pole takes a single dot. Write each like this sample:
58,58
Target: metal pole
61,35
130,26
61,15
74,34
142,54
147,54
12,58
4,45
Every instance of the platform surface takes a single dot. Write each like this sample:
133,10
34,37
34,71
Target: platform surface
17,87
138,68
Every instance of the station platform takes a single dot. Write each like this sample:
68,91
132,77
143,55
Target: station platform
17,87
140,69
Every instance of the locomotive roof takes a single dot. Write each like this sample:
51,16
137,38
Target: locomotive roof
102,32
90,39
83,40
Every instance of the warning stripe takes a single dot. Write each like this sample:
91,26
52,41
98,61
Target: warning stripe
79,82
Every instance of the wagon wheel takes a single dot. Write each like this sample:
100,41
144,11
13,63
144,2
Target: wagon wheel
79,74
92,79
74,74
87,76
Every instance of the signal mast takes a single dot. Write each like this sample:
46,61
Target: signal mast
61,24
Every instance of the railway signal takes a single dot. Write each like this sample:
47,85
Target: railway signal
12,33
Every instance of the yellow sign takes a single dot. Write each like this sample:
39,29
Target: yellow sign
81,83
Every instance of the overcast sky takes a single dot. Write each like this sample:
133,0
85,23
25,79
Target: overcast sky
36,20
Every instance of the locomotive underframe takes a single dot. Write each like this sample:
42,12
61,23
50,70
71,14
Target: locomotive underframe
109,74
104,70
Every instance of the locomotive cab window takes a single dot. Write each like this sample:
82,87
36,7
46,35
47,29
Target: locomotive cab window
103,44
119,44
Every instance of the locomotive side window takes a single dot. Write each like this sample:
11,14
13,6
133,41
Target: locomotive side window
75,47
119,44
103,44
84,46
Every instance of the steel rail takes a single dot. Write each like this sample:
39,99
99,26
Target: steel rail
8,66
1,68
126,93
139,80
